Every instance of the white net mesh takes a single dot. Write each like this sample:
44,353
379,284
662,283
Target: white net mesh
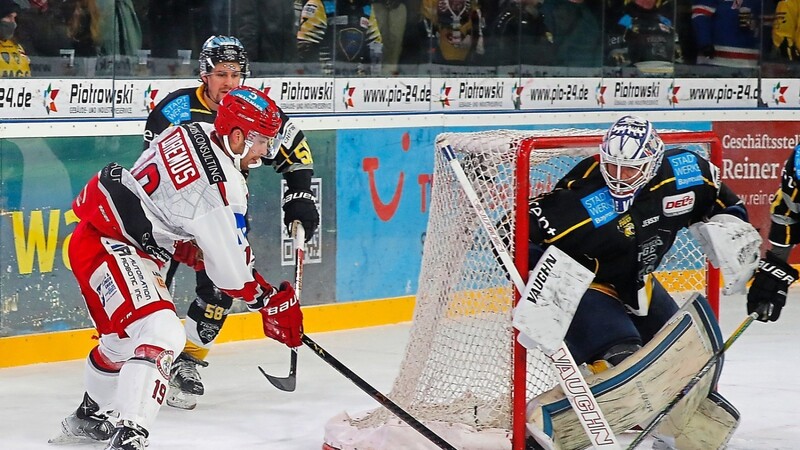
458,364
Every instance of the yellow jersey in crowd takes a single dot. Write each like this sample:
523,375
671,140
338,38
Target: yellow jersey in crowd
13,60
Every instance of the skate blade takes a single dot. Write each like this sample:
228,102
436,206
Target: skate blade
71,439
181,400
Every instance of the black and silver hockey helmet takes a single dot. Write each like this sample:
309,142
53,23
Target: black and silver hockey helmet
220,49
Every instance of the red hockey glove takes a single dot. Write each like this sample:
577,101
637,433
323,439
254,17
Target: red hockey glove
187,252
282,318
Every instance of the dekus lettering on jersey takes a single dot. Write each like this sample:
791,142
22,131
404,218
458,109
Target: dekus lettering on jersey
178,159
208,159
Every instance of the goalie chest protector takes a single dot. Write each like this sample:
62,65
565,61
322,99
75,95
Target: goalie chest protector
579,217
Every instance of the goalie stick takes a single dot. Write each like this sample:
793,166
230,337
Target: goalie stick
588,411
289,383
693,381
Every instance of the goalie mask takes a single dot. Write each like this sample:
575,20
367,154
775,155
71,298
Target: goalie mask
222,49
255,114
630,156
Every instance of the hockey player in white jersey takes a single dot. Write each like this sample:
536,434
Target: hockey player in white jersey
185,198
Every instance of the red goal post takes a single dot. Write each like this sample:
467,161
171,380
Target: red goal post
463,374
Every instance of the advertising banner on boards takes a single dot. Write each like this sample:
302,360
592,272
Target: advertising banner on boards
753,155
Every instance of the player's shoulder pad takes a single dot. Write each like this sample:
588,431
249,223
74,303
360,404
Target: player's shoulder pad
688,168
176,106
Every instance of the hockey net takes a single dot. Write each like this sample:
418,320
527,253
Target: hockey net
459,375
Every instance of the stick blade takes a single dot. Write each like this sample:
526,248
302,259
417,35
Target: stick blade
288,383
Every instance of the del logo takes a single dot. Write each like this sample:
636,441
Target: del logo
49,96
675,205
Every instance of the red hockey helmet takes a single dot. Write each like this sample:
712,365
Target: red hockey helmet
251,111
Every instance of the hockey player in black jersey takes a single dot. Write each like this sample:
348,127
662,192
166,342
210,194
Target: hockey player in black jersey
618,213
767,294
224,65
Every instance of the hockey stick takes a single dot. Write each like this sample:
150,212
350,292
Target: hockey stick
289,383
693,381
569,376
377,395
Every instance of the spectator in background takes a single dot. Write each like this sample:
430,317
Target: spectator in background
391,16
13,60
726,32
786,30
178,25
264,28
344,31
50,26
220,16
120,33
643,37
576,32
456,29
519,35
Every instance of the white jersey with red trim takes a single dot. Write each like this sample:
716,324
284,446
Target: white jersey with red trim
183,187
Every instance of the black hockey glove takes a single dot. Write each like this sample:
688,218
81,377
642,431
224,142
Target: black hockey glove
299,203
767,295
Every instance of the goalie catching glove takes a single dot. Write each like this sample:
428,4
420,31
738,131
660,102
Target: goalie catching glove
299,202
767,295
732,245
280,311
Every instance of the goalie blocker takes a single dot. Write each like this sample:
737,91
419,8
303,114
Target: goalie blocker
634,391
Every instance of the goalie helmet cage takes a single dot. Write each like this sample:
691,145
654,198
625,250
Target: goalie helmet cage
463,374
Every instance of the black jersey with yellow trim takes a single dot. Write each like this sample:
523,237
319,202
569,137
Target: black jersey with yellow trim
578,217
188,105
785,209
178,107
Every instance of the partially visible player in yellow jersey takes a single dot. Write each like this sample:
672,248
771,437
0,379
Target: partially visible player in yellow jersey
13,60
339,31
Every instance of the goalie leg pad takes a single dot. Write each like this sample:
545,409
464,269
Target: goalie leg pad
642,385
710,427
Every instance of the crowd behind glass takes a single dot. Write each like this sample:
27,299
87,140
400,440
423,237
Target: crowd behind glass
162,38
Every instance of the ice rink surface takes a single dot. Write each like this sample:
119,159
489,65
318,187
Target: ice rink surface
241,410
